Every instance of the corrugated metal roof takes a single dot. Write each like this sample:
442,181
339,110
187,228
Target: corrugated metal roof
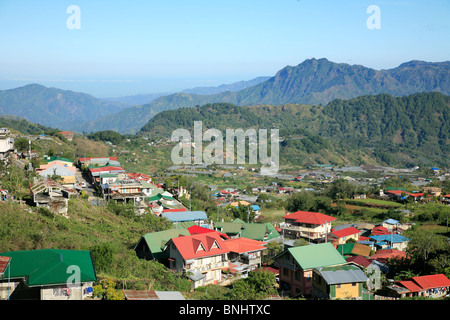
316,255
152,295
342,274
50,266
4,262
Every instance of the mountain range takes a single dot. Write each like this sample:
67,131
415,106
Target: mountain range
314,82
53,107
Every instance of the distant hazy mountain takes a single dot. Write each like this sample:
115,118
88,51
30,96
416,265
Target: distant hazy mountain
141,99
315,81
233,87
54,107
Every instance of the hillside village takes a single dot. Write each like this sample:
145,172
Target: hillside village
306,253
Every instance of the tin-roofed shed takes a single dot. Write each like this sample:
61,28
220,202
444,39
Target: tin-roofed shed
338,282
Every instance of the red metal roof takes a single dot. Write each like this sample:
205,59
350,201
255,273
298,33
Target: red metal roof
388,254
380,230
174,210
195,229
359,260
432,281
200,245
416,194
241,245
410,285
4,261
105,169
398,192
345,232
310,217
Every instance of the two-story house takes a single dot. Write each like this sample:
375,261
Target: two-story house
200,256
6,143
313,226
296,266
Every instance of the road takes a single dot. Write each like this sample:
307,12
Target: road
89,189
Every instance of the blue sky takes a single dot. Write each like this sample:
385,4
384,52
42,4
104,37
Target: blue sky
138,47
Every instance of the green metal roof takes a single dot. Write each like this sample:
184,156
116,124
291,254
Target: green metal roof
316,255
255,231
50,266
229,227
156,241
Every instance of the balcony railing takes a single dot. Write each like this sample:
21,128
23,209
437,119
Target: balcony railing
304,232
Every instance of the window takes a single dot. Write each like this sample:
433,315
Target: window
353,284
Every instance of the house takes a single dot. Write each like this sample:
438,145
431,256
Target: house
433,286
6,143
446,198
434,191
138,176
201,257
49,164
373,269
47,193
397,194
151,246
67,134
245,254
390,224
66,173
296,266
390,241
152,295
198,217
94,173
50,274
341,236
338,282
123,190
313,226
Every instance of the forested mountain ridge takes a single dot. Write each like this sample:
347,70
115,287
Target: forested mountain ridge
54,107
379,129
314,81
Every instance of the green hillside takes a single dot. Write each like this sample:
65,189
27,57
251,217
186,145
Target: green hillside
379,129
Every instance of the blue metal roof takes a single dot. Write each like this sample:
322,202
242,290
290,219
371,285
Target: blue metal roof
391,221
389,238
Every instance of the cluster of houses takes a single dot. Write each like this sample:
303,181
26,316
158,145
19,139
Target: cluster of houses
334,262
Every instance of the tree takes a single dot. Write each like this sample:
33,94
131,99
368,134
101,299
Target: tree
258,285
21,144
102,255
303,200
423,245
